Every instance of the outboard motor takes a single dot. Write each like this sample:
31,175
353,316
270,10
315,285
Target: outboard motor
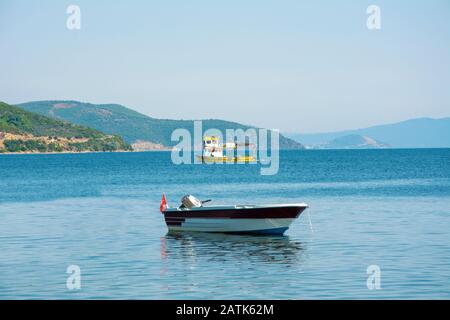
190,202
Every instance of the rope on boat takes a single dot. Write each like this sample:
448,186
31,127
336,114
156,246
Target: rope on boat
310,223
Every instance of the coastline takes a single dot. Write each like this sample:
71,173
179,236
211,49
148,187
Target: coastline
80,152
169,150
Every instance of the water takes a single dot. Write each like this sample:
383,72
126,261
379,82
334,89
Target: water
389,208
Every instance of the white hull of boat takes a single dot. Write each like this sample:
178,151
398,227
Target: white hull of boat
274,226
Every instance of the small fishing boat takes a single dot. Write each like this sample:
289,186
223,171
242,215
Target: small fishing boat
192,215
213,151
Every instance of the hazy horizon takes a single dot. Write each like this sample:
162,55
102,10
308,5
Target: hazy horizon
298,67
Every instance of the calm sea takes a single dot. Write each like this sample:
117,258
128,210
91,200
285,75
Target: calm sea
384,208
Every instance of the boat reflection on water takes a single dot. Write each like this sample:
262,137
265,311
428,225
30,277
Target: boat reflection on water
219,247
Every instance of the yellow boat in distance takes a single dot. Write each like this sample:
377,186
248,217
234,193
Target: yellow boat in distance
213,152
242,159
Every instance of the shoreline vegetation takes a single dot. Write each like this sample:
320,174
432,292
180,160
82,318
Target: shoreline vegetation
3,152
27,132
77,152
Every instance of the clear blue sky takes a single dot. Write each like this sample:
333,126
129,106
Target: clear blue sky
299,66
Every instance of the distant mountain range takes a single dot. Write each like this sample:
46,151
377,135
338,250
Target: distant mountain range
23,131
67,126
352,141
415,133
134,127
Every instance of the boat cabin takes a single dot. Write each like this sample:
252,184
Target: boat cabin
212,147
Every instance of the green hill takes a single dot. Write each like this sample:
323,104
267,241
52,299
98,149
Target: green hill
24,131
131,125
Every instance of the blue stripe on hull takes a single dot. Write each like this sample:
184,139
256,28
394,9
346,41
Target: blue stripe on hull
274,231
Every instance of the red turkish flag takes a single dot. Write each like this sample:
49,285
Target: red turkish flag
163,205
